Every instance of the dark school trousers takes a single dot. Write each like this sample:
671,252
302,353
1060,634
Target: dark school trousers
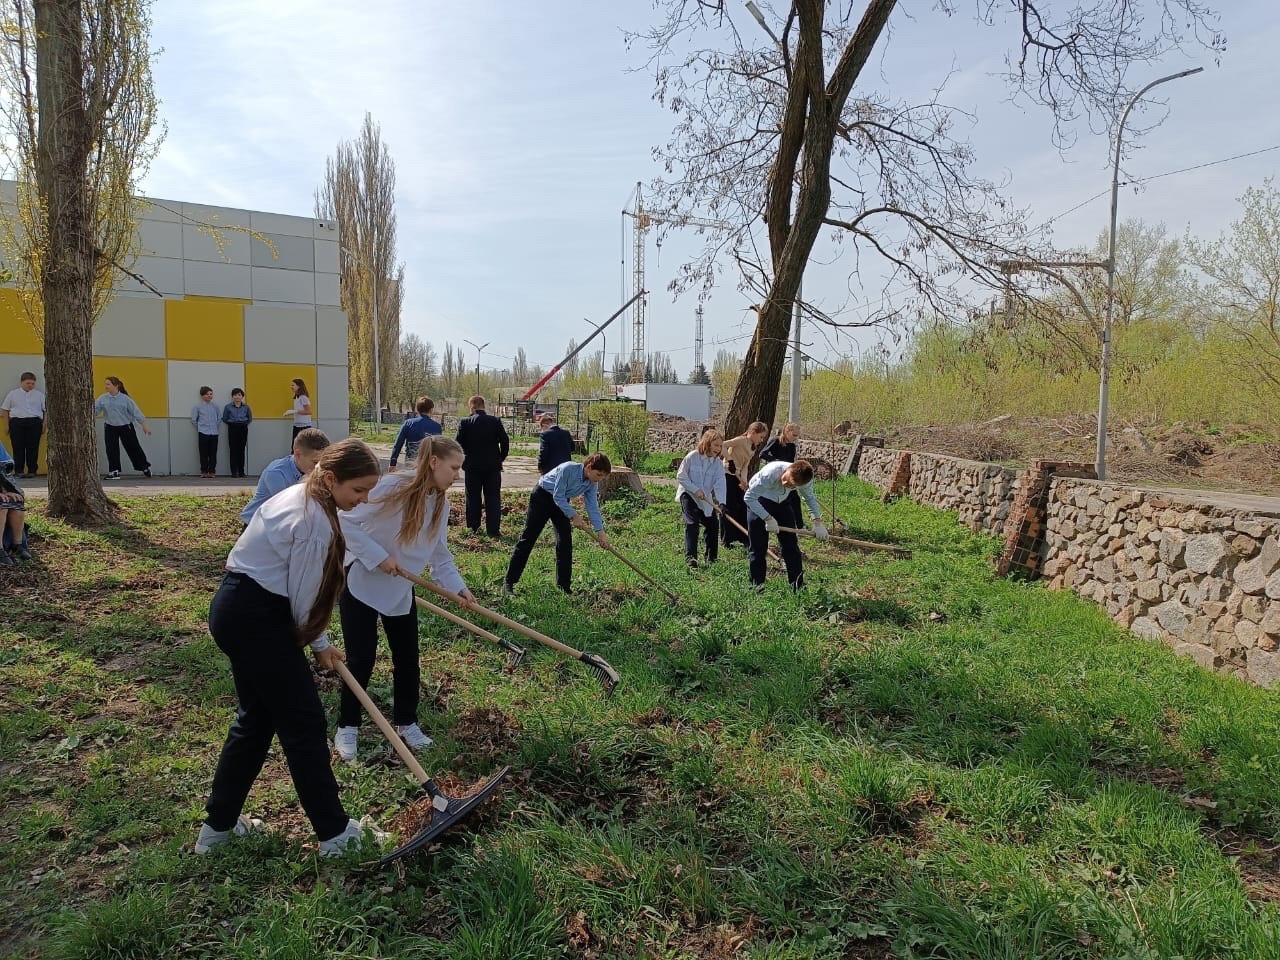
237,441
736,507
208,452
277,697
694,519
25,433
360,634
127,435
542,507
758,549
486,484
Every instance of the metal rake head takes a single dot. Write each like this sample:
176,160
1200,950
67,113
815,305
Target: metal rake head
608,677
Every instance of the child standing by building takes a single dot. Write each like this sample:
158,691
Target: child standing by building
700,485
23,409
403,527
283,577
237,416
766,500
301,409
550,501
119,411
205,417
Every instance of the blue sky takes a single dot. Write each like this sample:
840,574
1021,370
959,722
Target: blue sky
519,130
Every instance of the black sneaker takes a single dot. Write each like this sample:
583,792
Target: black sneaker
691,563
5,559
23,553
508,589
147,473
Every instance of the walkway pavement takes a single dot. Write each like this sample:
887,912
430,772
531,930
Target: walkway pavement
1246,502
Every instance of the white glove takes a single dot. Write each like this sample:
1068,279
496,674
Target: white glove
820,530
771,524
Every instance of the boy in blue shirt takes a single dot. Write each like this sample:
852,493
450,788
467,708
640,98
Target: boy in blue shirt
308,444
205,417
237,416
550,501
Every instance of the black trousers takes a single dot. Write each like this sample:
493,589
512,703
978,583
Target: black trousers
25,433
758,550
208,452
736,507
127,435
542,507
486,484
277,697
793,501
694,519
360,634
237,441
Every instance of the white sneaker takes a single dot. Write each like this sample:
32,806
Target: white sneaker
113,475
352,837
412,735
344,740
210,838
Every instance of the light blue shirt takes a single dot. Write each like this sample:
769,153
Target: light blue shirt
119,410
767,485
567,481
280,475
205,417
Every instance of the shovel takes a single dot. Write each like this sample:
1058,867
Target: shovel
447,811
609,678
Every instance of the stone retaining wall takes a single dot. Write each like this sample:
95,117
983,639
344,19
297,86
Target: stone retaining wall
1203,579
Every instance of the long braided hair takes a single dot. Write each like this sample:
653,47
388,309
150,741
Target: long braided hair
411,498
346,460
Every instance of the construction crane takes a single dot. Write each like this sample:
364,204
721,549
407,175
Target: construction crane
697,338
644,219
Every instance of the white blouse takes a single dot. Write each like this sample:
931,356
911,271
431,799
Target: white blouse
301,419
284,548
699,472
373,533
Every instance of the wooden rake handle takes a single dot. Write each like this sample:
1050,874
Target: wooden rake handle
387,729
496,617
734,520
643,575
455,619
866,545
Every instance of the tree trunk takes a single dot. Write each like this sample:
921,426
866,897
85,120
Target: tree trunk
62,152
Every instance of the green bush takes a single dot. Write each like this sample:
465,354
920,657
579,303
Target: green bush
625,427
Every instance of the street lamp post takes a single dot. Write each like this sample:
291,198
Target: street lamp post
1100,461
479,347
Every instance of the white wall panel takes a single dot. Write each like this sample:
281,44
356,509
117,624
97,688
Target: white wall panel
131,327
217,279
331,336
291,286
332,392
281,223
279,334
160,238
202,244
326,256
163,273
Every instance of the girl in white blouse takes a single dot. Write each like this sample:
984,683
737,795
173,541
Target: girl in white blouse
403,527
283,576
700,485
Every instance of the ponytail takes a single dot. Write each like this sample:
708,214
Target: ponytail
346,460
411,498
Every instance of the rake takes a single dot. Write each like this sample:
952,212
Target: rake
865,545
643,575
446,811
734,520
609,678
517,653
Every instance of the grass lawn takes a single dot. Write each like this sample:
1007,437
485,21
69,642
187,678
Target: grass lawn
912,758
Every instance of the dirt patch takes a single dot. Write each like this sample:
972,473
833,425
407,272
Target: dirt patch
1258,861
487,732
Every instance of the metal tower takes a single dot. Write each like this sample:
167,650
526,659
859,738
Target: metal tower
697,338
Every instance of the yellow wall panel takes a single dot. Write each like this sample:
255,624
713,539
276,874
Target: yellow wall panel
145,379
197,296
205,328
266,387
16,333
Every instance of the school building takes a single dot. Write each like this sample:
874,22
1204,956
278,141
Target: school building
233,309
